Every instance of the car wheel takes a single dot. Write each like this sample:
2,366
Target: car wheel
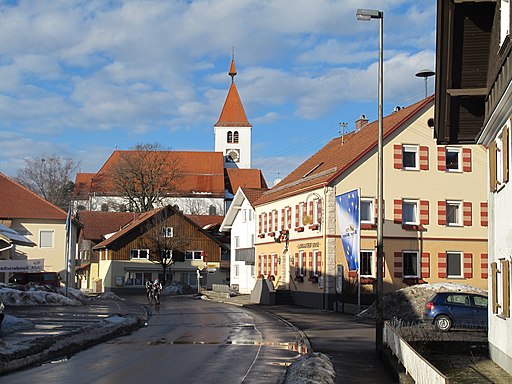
443,323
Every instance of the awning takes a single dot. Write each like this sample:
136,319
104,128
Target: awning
82,266
14,237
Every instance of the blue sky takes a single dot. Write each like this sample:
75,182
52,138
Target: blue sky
81,78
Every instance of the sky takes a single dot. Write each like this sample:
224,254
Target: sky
82,78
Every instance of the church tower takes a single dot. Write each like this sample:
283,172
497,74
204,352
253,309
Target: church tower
233,130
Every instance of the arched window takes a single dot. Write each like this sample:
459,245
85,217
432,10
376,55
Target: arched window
230,137
235,137
104,207
212,211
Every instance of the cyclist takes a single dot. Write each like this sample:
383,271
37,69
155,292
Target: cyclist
149,291
157,290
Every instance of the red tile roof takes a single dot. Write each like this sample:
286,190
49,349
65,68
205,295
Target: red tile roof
245,178
18,202
335,158
206,220
253,194
96,224
202,172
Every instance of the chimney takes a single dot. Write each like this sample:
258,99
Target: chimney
361,122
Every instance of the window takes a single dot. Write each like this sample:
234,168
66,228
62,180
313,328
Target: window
273,259
252,240
300,214
453,159
244,216
252,270
193,255
316,207
237,270
212,211
314,264
410,263
367,211
168,231
454,213
230,137
480,301
287,217
410,157
237,241
139,253
137,278
235,137
46,239
166,254
409,212
367,261
300,270
454,264
458,299
104,207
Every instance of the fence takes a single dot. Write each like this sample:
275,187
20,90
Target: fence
416,365
220,288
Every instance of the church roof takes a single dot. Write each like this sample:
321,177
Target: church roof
233,113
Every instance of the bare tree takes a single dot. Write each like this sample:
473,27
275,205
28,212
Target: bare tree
50,176
145,175
166,244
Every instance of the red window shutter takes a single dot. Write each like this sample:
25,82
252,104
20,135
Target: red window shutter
282,218
304,212
297,264
276,228
441,212
484,265
424,158
397,156
441,158
297,207
424,219
466,159
276,266
468,265
467,213
264,222
319,213
289,214
260,272
398,264
441,265
425,265
319,264
397,211
310,263
259,224
484,214
270,222
304,264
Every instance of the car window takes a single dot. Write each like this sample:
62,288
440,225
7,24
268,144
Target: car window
458,299
480,301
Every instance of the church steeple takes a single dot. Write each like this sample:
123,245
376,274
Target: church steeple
233,130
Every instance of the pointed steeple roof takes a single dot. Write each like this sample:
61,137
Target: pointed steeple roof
233,113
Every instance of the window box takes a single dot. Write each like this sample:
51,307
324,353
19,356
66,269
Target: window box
261,235
413,227
368,226
272,234
368,280
314,227
299,229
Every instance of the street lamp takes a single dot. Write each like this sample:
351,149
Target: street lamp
425,73
368,14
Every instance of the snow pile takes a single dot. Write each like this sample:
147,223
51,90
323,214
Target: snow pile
13,324
408,303
110,296
176,288
15,295
315,368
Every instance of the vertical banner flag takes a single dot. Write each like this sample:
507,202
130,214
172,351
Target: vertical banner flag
347,208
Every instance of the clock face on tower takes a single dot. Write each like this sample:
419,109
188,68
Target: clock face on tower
233,155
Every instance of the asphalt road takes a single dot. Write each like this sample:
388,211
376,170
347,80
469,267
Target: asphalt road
185,341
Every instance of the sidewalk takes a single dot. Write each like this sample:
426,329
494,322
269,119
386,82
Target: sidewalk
348,342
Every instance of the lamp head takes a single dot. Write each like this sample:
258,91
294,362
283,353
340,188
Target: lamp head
368,14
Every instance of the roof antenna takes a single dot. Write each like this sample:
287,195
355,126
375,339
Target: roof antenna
343,126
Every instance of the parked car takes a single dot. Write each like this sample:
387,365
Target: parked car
41,278
456,309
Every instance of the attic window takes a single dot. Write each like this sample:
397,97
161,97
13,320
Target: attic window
312,170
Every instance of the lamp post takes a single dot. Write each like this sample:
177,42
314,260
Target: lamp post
368,14
425,73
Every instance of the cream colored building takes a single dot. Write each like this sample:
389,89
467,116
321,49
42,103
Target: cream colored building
435,212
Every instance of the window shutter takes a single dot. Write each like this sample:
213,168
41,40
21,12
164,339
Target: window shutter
505,270
493,181
311,205
398,264
276,266
259,224
425,265
319,214
319,264
504,139
397,156
282,218
484,214
260,272
304,212
466,159
441,158
397,211
270,222
441,212
265,223
297,207
441,265
297,264
467,213
276,228
304,264
424,219
468,265
310,264
423,158
484,265
494,287
289,214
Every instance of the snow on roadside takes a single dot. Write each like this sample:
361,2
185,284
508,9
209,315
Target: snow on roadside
408,303
33,296
315,368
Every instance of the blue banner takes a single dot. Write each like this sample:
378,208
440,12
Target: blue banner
347,208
